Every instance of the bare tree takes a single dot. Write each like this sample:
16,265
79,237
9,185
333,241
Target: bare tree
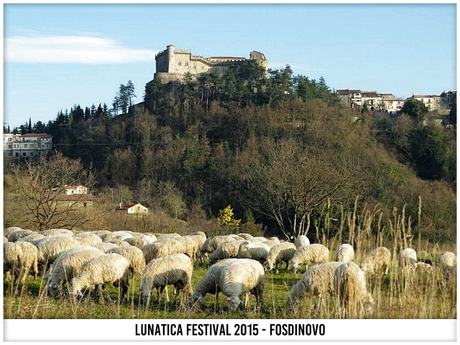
40,185
290,182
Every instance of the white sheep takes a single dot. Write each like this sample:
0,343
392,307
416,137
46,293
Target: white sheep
192,243
50,247
253,250
88,239
101,270
245,235
54,232
225,250
162,247
317,281
350,287
173,235
211,243
272,241
100,233
66,266
278,254
5,239
242,277
309,254
407,259
140,240
301,241
31,238
344,253
134,255
116,235
7,231
448,263
104,246
210,282
377,260
119,243
20,258
423,267
175,269
29,259
16,234
12,254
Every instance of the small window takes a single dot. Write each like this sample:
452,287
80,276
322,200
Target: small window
179,63
186,64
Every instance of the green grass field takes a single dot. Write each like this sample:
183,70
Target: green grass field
427,296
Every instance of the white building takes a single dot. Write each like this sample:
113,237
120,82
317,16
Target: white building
26,145
70,190
432,102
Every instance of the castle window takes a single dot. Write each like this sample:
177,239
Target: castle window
179,63
186,64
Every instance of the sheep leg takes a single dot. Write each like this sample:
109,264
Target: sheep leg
216,300
159,292
246,300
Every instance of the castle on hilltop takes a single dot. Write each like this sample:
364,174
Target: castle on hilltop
172,64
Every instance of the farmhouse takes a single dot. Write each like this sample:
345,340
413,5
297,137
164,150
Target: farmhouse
133,208
70,190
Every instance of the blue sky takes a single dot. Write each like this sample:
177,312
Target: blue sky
59,56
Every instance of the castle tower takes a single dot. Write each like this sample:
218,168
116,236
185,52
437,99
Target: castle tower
170,53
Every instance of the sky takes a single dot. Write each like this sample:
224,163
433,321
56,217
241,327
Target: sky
58,56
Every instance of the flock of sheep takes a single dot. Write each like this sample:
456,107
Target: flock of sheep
237,265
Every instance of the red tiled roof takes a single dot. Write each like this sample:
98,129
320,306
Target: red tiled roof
347,92
75,197
36,135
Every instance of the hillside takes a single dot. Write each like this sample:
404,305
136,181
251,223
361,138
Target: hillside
282,151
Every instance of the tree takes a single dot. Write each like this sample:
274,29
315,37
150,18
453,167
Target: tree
280,85
288,184
152,95
40,184
415,109
39,127
129,89
124,98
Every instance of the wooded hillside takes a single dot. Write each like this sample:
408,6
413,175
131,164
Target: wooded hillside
280,149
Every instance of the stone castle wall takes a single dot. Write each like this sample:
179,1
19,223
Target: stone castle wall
172,64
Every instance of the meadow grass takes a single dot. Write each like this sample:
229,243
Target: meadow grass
422,295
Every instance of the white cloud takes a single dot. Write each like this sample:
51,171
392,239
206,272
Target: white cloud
71,49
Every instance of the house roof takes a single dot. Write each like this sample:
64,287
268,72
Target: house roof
425,96
75,197
74,187
347,91
125,207
43,135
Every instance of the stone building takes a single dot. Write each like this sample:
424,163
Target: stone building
172,64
